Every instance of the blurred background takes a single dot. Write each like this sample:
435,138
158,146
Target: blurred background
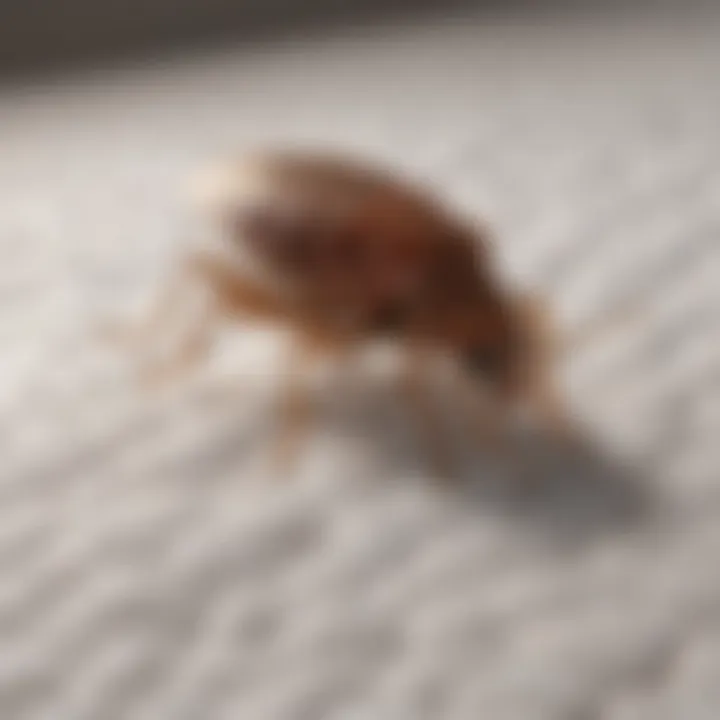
152,565
41,35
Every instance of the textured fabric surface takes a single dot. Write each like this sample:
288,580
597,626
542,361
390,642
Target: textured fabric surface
153,567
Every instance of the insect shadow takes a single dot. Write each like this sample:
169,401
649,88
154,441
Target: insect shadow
570,491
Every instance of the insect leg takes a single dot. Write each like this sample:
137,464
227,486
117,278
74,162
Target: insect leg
296,405
188,306
414,388
166,308
537,388
598,328
194,347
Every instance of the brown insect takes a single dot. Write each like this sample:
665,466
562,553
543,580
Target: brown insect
341,253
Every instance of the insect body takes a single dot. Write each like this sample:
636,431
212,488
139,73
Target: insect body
341,253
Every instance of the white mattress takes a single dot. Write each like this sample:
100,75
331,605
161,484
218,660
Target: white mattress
153,567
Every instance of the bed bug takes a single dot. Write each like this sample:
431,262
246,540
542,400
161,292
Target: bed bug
341,252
